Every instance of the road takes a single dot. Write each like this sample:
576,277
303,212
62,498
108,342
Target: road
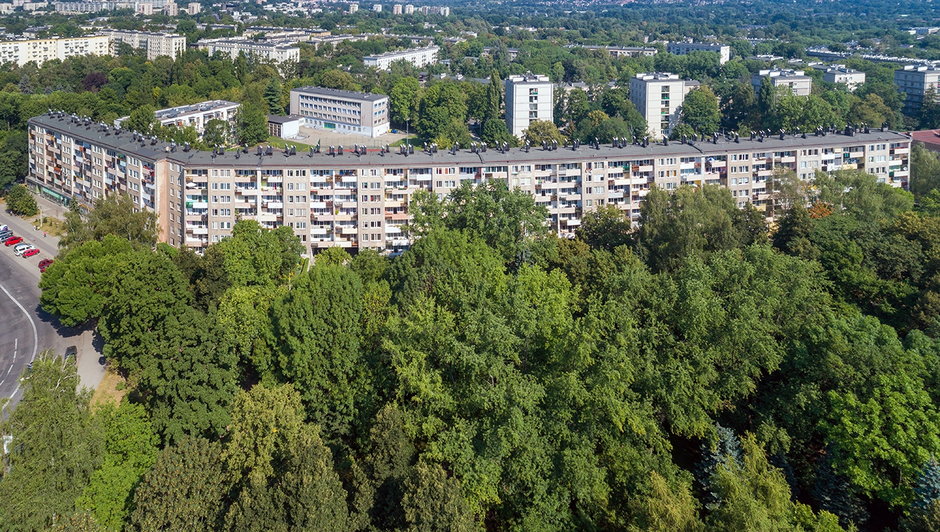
25,329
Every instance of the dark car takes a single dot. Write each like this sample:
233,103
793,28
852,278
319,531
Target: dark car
71,352
45,263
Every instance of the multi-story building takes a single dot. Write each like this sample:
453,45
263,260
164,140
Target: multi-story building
193,8
72,8
625,51
685,48
419,57
915,81
156,44
358,113
170,9
377,8
360,200
796,80
353,7
144,8
528,98
195,115
841,74
658,96
41,50
396,9
274,52
409,9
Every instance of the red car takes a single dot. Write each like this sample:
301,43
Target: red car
31,252
45,263
12,241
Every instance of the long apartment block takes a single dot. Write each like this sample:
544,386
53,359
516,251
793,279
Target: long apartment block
358,199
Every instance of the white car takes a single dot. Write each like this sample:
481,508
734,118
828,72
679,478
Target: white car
22,248
3,228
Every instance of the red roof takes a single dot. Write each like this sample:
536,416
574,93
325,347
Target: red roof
929,137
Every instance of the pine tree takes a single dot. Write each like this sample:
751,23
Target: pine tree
924,513
723,447
273,96
833,493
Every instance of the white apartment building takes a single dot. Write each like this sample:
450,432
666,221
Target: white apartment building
195,115
274,52
156,44
843,75
658,96
409,9
796,80
685,48
357,113
419,57
71,8
396,9
377,8
353,8
41,50
528,98
193,8
625,51
360,200
170,9
915,81
144,8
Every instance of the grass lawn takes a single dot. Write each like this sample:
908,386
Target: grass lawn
111,389
278,142
412,139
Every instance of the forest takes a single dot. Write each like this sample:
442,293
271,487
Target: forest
701,372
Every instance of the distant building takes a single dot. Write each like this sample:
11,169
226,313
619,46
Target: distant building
409,9
144,8
170,9
353,8
195,115
658,96
396,9
843,75
626,51
377,8
275,52
419,57
193,8
685,48
796,80
71,8
340,111
284,127
915,81
156,44
528,98
41,50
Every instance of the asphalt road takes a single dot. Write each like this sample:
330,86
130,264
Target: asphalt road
25,330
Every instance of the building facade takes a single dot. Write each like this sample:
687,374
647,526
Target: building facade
685,48
360,200
196,115
528,98
273,52
796,80
42,50
625,51
915,81
396,9
658,96
852,79
156,44
357,113
419,57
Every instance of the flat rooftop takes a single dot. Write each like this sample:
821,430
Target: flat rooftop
339,93
128,142
202,107
401,52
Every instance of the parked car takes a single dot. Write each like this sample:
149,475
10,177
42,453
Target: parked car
19,249
45,263
12,241
70,352
4,228
30,252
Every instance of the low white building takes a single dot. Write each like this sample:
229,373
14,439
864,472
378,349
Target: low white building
195,115
843,75
339,111
685,48
419,57
796,80
156,44
275,52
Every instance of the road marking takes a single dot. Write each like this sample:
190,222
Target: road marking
16,341
35,340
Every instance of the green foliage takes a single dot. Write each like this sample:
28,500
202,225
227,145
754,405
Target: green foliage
251,125
404,100
56,447
433,502
21,202
114,214
700,111
142,120
130,448
540,131
925,171
605,228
